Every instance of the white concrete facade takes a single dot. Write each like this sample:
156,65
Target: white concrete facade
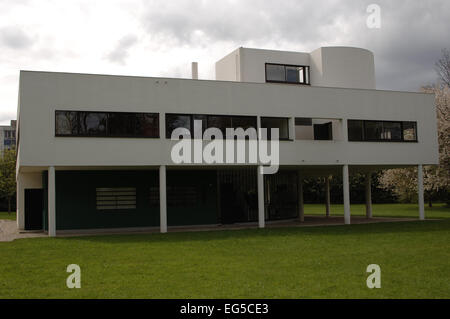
84,92
342,87
343,67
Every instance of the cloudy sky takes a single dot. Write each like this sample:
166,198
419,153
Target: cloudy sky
161,38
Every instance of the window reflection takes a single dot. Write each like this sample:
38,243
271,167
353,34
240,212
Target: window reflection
369,130
279,73
106,124
66,123
276,122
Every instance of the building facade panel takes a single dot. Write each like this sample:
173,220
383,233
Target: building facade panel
213,97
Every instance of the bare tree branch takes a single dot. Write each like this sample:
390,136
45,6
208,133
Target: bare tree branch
443,67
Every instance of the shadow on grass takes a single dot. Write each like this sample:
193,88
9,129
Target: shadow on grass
437,211
343,230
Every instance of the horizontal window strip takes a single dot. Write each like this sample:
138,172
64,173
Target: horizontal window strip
106,124
120,202
130,197
382,131
285,73
115,198
116,194
116,189
303,121
114,207
222,122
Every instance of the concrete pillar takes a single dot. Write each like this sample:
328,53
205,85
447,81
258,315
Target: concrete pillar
162,125
346,191
420,192
162,199
301,207
327,196
261,210
51,202
368,196
20,203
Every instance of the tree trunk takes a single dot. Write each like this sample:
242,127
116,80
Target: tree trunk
430,204
9,205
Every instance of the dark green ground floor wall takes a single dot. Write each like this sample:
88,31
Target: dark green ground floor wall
200,210
192,198
76,199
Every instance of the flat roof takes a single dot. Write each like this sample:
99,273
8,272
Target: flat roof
221,81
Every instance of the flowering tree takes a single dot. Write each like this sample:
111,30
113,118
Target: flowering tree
403,181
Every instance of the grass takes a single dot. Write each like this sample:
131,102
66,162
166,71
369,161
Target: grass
307,262
5,215
383,210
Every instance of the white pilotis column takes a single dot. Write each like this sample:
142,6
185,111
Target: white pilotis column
51,202
420,192
20,200
162,199
368,196
301,206
327,196
261,210
346,190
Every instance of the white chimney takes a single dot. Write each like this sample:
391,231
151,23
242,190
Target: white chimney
194,70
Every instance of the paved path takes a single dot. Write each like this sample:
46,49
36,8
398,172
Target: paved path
9,232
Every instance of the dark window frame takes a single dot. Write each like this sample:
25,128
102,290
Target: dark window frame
191,123
107,133
365,139
318,129
207,116
288,138
306,74
303,121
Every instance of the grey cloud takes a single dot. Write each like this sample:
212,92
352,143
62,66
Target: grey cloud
409,42
15,38
249,21
407,45
120,52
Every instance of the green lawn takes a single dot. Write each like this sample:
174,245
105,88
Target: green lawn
5,215
379,210
307,262
382,210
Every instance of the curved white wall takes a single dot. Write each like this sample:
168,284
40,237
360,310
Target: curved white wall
344,67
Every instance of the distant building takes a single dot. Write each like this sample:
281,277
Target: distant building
8,136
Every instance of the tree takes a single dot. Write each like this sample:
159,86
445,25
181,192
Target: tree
8,176
443,67
403,181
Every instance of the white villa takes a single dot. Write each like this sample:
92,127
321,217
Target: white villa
94,151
